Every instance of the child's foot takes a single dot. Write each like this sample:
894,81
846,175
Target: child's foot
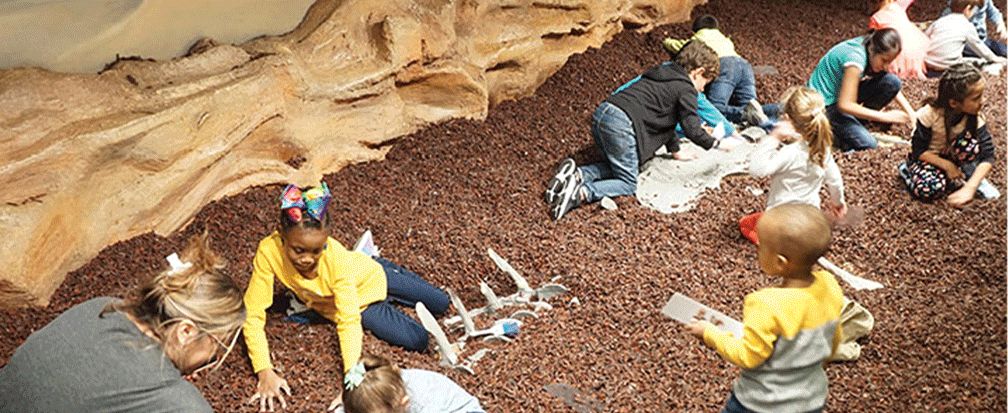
753,114
987,190
904,173
570,198
566,168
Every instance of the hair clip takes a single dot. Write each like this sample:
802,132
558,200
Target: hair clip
355,376
177,265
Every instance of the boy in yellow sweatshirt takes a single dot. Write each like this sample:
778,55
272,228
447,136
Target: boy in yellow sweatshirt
789,330
733,93
349,288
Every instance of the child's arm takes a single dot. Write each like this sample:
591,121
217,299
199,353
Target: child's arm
978,46
690,121
921,143
834,181
348,312
984,164
847,100
258,297
757,343
767,159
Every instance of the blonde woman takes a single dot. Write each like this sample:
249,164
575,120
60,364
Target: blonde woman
110,355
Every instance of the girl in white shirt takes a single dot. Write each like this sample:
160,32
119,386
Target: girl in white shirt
797,158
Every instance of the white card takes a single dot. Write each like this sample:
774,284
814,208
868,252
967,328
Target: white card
687,310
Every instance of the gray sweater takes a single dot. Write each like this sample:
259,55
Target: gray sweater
85,362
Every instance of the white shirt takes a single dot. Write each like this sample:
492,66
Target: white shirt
949,35
793,178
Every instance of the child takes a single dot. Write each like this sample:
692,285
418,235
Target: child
349,288
854,84
987,11
910,62
375,385
951,142
952,33
800,166
632,124
733,92
110,355
790,330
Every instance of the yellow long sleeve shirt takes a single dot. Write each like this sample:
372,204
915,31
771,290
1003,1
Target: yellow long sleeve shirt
347,282
713,38
788,334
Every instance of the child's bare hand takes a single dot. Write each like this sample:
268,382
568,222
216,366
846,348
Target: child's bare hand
696,328
269,387
961,197
895,116
954,173
729,143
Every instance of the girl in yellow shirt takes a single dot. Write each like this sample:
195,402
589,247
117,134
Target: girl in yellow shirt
349,288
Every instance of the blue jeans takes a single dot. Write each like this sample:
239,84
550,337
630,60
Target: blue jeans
734,406
614,135
997,47
734,87
849,134
405,287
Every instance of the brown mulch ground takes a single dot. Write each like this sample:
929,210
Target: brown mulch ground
446,193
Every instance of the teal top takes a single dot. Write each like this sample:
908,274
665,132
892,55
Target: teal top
828,73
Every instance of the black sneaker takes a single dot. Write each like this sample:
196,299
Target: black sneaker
753,114
568,199
566,169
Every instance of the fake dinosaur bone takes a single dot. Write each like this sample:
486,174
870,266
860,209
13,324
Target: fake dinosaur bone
467,323
445,348
523,296
523,285
854,281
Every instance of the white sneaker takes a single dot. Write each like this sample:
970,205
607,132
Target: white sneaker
987,190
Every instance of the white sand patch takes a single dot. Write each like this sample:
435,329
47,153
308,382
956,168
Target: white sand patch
668,185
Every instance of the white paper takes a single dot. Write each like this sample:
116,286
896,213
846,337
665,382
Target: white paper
366,245
687,310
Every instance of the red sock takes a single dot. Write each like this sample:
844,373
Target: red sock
748,226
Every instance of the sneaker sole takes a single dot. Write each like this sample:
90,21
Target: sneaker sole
560,175
563,204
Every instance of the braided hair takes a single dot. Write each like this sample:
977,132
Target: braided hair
955,84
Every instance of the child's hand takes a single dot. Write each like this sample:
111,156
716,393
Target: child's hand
697,328
838,210
269,386
895,116
953,171
785,132
961,197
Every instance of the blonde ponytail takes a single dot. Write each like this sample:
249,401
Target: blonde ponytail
382,389
199,293
807,111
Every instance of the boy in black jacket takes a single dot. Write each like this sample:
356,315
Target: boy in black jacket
633,123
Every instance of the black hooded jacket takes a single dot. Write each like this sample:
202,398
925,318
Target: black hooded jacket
663,97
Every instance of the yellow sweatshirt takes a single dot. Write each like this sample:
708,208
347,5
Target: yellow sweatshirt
788,334
347,282
713,38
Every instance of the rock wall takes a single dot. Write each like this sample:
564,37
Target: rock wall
89,160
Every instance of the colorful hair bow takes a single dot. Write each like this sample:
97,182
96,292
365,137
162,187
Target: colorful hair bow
313,201
354,377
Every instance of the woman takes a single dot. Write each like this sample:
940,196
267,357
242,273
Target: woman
107,355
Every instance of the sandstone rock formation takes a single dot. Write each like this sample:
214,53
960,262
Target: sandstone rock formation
89,160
